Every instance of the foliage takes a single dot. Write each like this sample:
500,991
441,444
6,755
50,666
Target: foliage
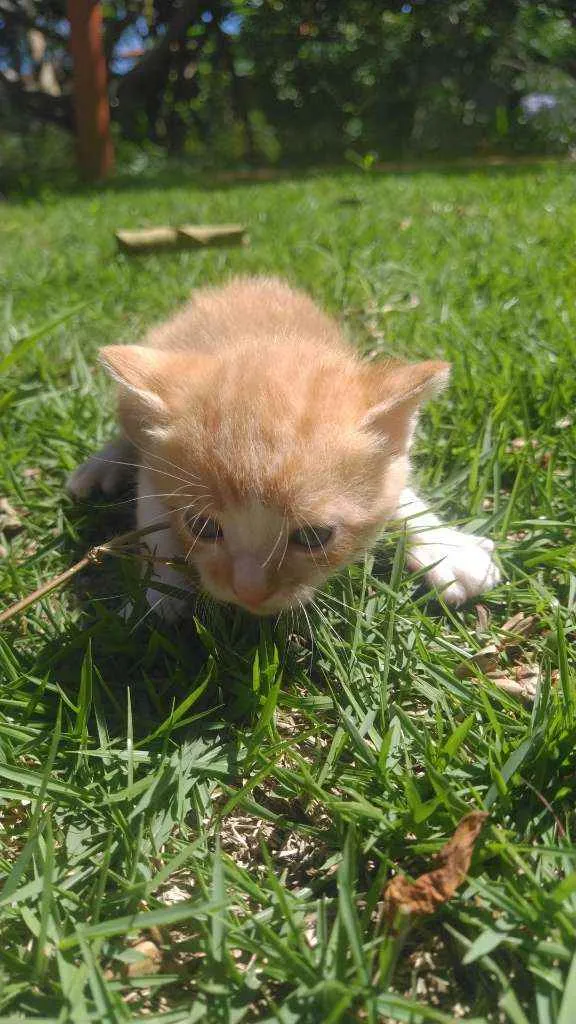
238,794
257,80
28,160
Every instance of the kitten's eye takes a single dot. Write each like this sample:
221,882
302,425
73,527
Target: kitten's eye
310,537
205,528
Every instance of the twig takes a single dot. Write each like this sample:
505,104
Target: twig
92,557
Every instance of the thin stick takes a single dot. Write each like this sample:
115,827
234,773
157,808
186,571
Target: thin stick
92,557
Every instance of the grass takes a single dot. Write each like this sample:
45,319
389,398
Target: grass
237,796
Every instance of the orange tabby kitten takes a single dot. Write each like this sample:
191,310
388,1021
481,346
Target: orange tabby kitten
276,454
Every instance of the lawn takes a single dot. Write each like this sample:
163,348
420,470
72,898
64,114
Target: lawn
198,823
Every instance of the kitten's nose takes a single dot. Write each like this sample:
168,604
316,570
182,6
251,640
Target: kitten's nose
249,581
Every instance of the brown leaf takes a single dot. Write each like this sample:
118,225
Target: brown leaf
485,660
402,306
149,960
522,681
429,891
483,617
521,625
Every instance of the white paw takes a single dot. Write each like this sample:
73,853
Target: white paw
463,566
96,474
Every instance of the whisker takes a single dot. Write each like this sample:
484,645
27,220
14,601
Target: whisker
167,511
270,556
141,465
198,535
153,494
325,595
200,603
168,462
148,612
307,617
281,562
146,451
304,522
322,548
326,622
207,603
101,598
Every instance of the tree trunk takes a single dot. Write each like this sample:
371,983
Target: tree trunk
95,150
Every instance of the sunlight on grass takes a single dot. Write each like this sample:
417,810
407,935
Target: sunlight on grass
237,794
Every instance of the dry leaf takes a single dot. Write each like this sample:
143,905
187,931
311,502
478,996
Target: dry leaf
429,891
521,625
518,443
10,521
483,617
412,302
148,962
522,681
175,894
485,661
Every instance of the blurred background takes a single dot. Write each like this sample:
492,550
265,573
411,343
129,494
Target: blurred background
246,83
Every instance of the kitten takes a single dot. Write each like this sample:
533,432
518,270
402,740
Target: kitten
277,455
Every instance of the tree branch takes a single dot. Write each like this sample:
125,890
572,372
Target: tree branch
112,33
183,16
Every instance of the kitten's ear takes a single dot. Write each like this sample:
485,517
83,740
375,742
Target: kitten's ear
398,391
151,375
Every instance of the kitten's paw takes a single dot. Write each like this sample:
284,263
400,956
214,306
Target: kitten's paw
96,475
465,567
108,470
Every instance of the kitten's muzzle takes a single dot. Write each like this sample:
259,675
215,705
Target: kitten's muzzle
249,582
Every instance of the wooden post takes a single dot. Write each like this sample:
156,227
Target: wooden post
95,150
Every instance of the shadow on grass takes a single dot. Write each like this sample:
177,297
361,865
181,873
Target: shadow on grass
216,650
182,174
141,666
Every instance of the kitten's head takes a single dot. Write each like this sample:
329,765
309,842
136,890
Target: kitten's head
277,468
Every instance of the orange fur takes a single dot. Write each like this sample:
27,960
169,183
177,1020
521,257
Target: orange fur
272,422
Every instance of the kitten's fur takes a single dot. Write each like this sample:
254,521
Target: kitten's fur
248,413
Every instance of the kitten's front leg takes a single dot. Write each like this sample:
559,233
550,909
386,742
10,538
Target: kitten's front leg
462,563
108,470
151,511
